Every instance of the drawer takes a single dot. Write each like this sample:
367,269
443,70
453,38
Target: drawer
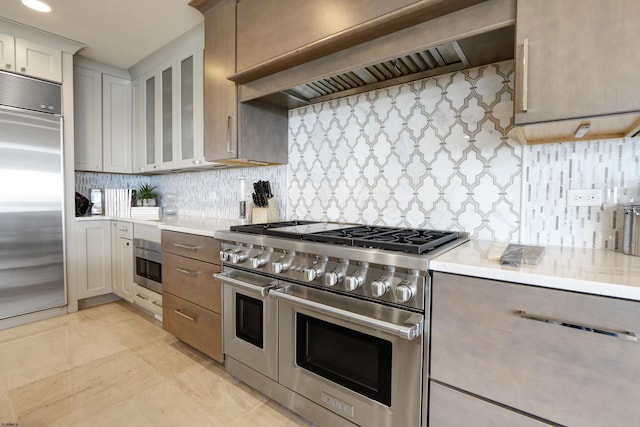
192,280
451,408
148,300
538,349
196,326
193,246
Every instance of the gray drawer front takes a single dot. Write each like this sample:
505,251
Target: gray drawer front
481,343
451,408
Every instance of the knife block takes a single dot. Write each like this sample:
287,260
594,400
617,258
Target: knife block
267,214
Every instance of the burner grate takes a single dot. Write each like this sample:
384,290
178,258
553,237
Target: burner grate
398,239
264,228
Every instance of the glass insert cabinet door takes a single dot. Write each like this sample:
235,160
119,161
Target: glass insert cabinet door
172,100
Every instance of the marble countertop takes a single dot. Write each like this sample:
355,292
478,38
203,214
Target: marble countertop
204,226
594,271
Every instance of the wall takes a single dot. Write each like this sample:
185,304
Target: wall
439,153
211,193
398,156
434,153
551,169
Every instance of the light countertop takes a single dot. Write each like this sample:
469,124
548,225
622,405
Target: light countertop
594,271
185,224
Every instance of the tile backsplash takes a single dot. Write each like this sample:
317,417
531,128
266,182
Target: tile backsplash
212,193
435,153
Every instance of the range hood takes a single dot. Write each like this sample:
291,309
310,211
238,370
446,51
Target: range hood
494,46
437,60
475,36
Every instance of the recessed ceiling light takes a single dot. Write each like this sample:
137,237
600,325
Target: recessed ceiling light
37,5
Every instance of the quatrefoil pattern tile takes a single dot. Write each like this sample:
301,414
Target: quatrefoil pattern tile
434,153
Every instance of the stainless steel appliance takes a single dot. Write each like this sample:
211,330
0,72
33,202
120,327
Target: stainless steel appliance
631,237
351,308
31,196
148,264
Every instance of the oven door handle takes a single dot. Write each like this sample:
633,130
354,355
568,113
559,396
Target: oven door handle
408,332
262,290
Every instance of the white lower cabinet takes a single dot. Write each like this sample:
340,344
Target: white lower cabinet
122,259
94,258
569,358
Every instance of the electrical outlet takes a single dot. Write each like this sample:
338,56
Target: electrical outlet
585,197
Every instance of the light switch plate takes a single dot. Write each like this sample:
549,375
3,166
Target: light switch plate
584,197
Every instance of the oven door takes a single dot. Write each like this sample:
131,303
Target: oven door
359,359
250,320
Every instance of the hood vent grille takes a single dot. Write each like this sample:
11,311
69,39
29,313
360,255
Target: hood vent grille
437,60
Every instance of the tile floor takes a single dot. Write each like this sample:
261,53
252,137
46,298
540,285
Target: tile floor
111,365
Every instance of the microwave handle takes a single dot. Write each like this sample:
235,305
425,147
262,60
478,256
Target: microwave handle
262,290
408,332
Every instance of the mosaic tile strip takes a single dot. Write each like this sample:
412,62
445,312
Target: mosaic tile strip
613,166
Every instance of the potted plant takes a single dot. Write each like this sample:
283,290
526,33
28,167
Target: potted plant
146,195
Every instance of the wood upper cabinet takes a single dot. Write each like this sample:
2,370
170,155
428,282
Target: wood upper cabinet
577,59
270,28
234,132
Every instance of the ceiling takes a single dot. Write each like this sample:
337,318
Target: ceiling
116,32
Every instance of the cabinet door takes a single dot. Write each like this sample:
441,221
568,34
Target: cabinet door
39,61
87,97
562,356
116,124
582,59
220,116
189,146
451,408
124,269
7,52
94,258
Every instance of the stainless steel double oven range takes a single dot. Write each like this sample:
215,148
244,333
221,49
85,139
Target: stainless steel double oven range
329,319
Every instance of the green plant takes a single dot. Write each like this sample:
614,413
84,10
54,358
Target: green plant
146,191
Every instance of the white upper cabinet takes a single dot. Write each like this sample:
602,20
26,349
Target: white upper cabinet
30,58
116,125
168,109
103,132
87,91
7,52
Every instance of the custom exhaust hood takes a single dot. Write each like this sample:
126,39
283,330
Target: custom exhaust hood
475,36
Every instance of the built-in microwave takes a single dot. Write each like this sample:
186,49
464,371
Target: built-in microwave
148,264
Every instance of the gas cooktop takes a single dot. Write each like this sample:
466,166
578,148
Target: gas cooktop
409,240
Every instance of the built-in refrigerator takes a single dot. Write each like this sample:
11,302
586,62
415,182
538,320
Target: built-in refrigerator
32,273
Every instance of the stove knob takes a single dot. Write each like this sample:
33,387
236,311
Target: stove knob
332,278
352,282
404,291
238,256
259,260
225,255
312,273
379,287
279,266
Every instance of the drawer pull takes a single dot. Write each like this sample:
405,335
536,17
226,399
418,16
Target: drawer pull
187,272
625,335
191,248
179,313
142,297
156,303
